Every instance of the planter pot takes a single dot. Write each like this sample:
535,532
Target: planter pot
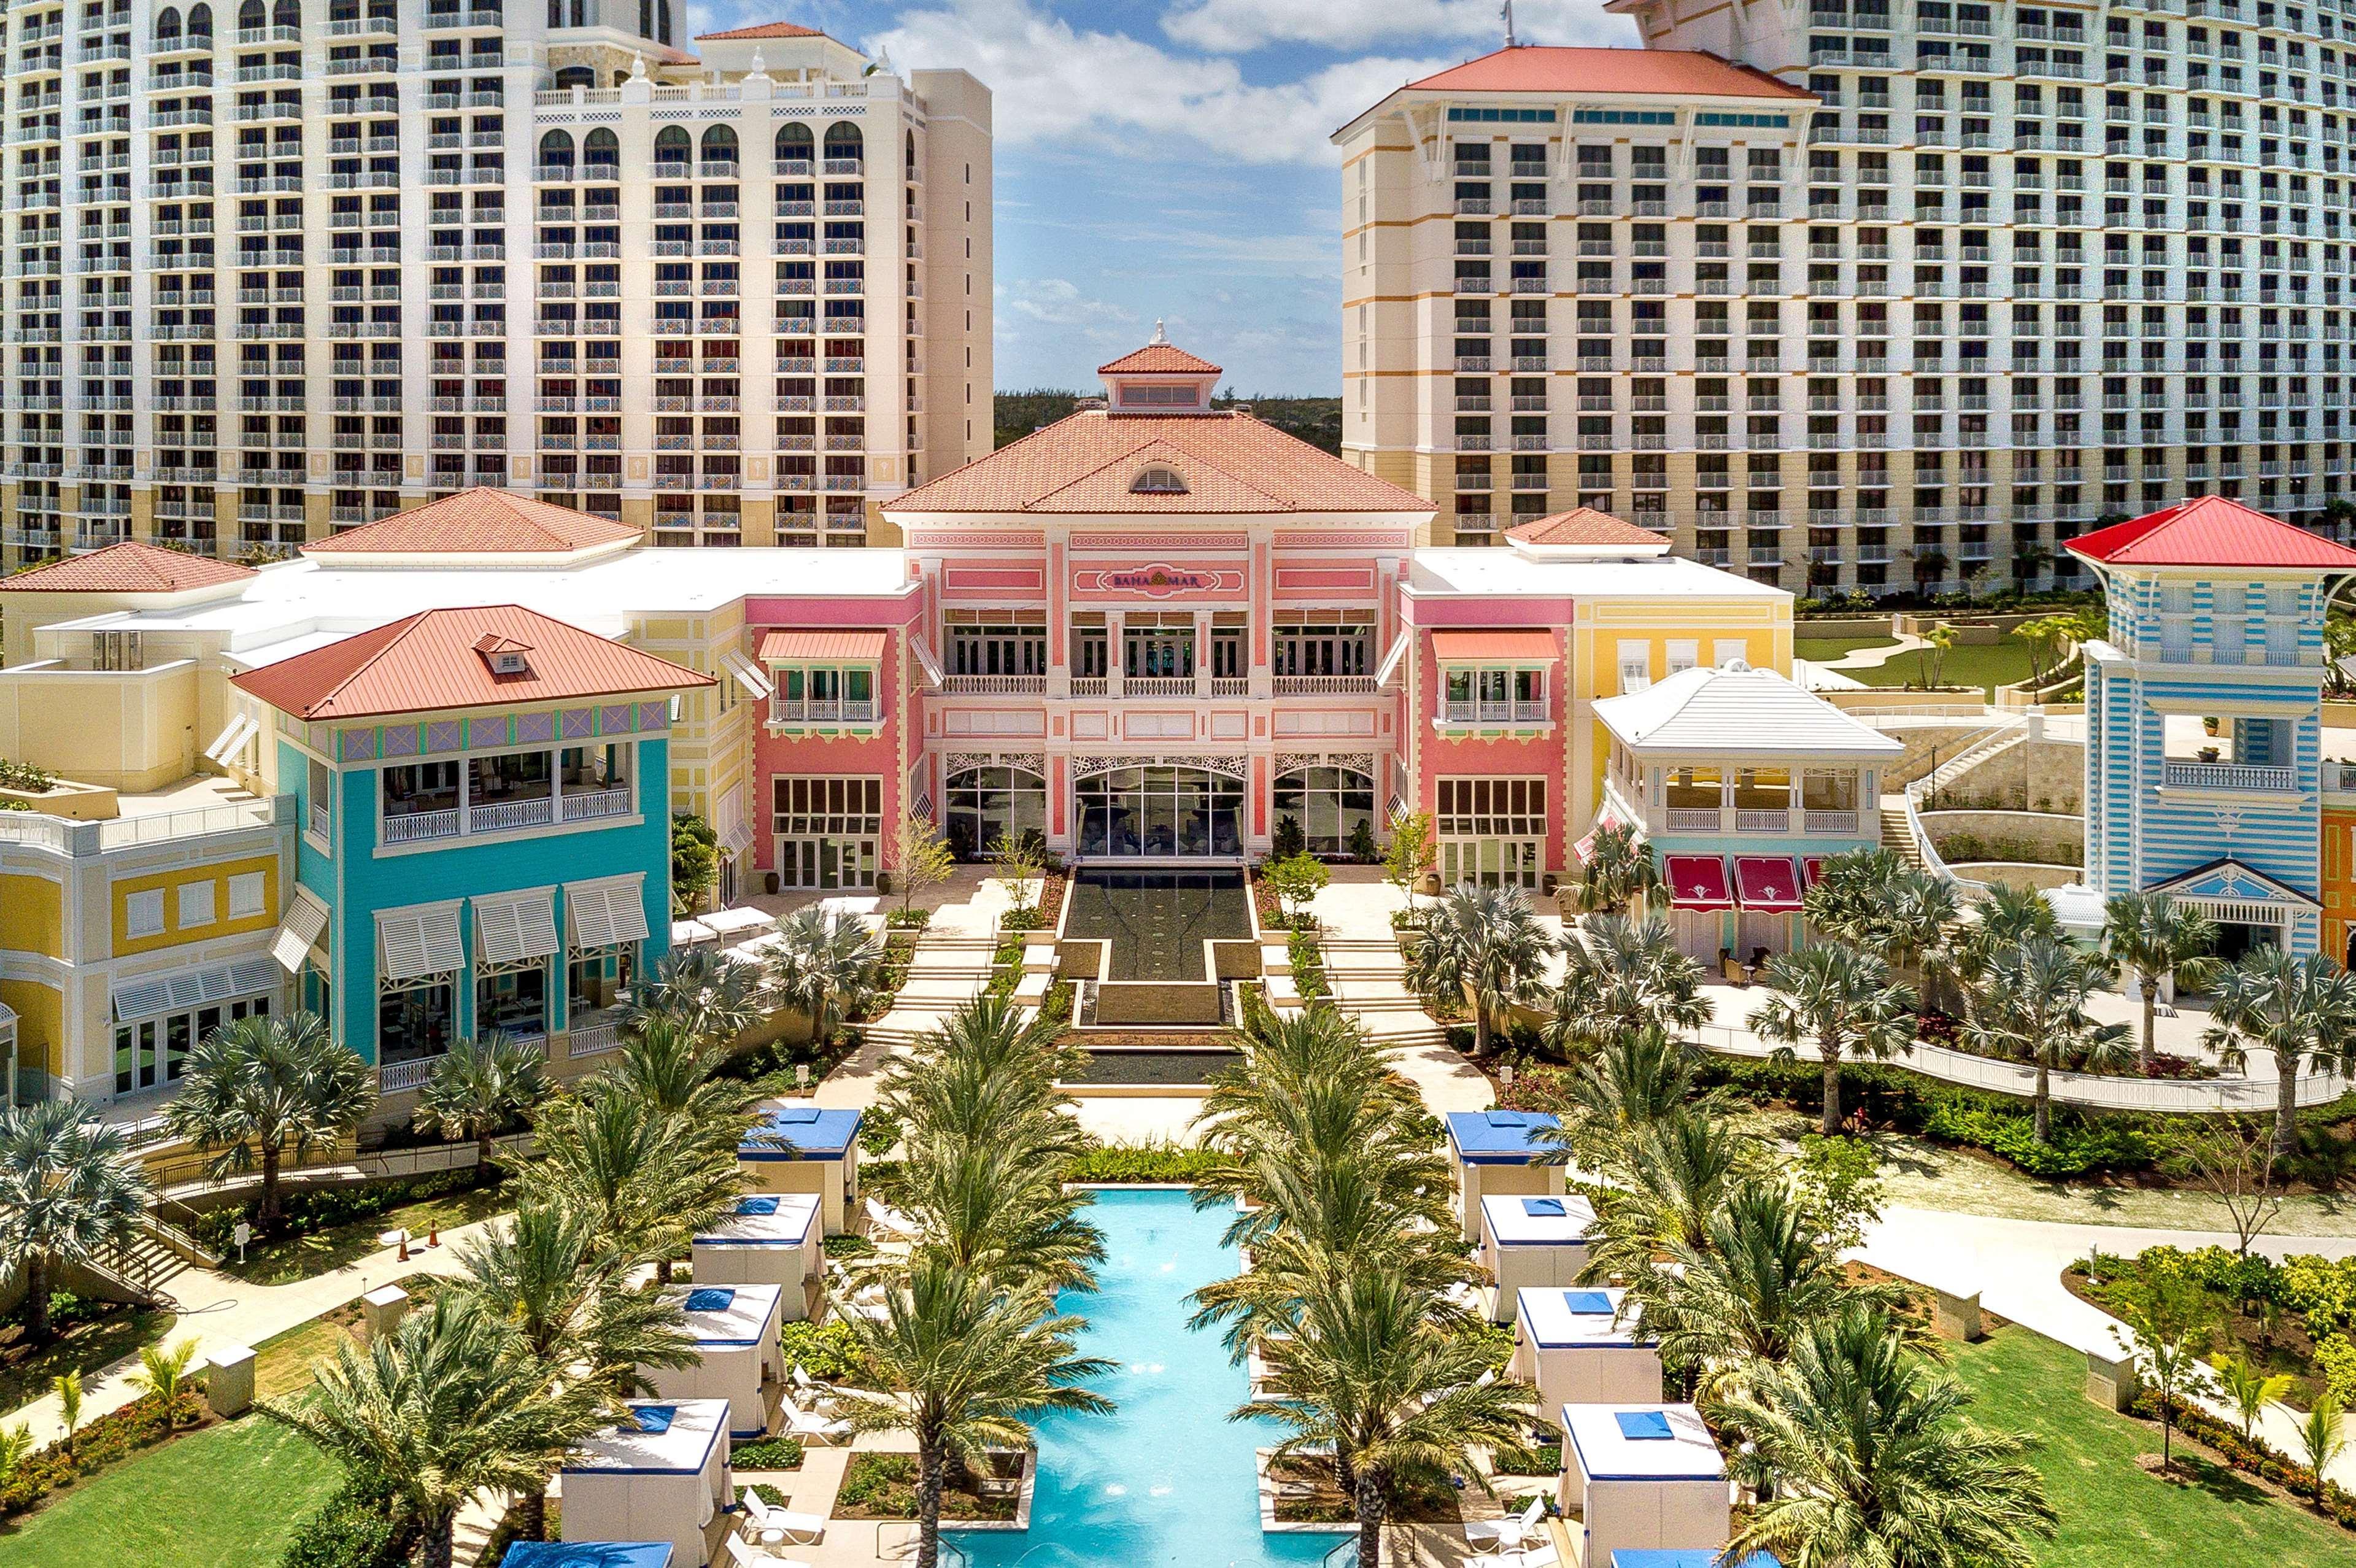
768,882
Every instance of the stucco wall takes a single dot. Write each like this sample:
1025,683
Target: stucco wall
2043,834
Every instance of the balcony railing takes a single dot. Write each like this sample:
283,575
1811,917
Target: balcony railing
1493,712
414,826
592,804
817,711
1158,686
1323,685
2228,775
394,1078
994,685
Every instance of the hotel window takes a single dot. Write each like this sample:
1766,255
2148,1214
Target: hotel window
196,903
1157,647
1494,696
1635,666
247,891
1684,653
1335,643
1007,645
828,831
143,914
1330,804
824,695
1492,832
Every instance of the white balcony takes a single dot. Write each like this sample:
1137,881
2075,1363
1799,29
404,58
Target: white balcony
1493,712
2228,775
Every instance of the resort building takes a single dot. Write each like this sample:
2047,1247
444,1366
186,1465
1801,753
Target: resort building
275,269
1856,293
2204,718
1150,632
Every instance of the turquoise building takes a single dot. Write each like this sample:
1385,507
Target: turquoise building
483,800
2204,716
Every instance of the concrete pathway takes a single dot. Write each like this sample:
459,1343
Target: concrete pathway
219,1312
1872,658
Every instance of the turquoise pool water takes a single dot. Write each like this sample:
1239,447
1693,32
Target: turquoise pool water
1167,1479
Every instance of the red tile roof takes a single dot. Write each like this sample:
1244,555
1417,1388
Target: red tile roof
822,646
1655,73
2211,531
127,568
1581,525
766,30
1231,462
429,662
1159,358
1516,647
479,522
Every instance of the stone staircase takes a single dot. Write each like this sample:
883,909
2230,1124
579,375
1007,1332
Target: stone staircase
948,970
1364,973
1896,836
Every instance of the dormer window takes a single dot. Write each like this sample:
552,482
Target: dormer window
1160,394
503,655
1157,479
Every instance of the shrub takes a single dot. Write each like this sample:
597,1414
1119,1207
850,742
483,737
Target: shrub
768,1452
1307,956
23,776
326,1208
356,1528
878,1131
1286,839
1120,1163
107,1439
829,1350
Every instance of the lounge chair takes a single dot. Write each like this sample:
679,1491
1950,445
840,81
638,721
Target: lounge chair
1537,1557
801,1422
807,1386
882,1216
748,1556
775,1526
1507,1534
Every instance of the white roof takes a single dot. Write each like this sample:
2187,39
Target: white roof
688,1429
1489,572
1736,709
1535,1220
728,1316
1609,1450
765,1219
1560,1318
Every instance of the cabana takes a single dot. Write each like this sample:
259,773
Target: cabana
795,1147
1572,1345
772,1238
735,1332
660,1474
1643,1476
1496,1152
1528,1240
589,1554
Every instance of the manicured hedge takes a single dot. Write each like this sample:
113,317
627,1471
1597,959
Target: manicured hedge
1119,1164
326,1208
2253,1457
356,1529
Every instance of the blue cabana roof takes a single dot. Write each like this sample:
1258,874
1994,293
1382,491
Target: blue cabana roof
1499,1137
796,1129
589,1554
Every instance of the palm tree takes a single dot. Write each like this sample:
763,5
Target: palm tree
567,1300
1841,1001
995,1208
1872,1460
2154,937
1668,1182
264,1087
479,1087
666,1066
2008,916
626,1165
971,1362
2322,1440
714,996
1485,941
164,1370
69,1191
983,1075
443,1407
1392,1387
2249,1389
2031,1003
823,956
1636,1080
1873,901
1620,870
1621,976
2301,1009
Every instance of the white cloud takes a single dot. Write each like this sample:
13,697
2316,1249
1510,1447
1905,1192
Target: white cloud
1058,303
1056,85
1232,27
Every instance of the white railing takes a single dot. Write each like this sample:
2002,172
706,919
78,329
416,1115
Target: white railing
1831,821
2228,775
394,1078
589,1039
783,710
415,826
1090,686
1158,686
1500,712
1757,820
508,814
994,685
322,819
1694,819
592,804
1324,685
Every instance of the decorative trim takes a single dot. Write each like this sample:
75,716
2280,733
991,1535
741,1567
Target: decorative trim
1293,761
959,761
1227,766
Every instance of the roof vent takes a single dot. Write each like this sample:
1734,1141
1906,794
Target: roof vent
503,655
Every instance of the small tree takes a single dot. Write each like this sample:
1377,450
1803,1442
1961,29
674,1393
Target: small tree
694,861
2321,1438
1935,644
1295,882
1287,839
16,1447
2231,1158
921,857
2248,1389
481,1085
264,1087
1409,854
1021,858
69,1191
1620,870
68,1386
164,1370
2171,1318
1840,1191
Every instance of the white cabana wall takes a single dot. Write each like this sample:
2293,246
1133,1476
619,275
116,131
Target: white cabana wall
660,1475
772,1238
1575,1348
1642,1476
735,1332
1532,1239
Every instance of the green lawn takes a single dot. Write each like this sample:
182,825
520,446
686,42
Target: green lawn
1985,666
290,1258
1825,650
25,1375
228,1497
2114,1515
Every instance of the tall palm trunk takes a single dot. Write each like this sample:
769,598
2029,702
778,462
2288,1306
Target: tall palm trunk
2286,1104
929,1505
1480,1028
269,1213
531,1513
2044,1104
2148,1053
36,1297
1831,1049
1367,1497
438,1544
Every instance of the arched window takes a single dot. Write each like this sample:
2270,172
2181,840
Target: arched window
576,76
167,28
556,147
911,152
794,146
983,803
252,13
200,22
601,149
843,141
673,146
1157,479
1330,804
719,145
287,13
1161,810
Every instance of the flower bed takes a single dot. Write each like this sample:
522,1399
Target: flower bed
2253,1457
883,1486
109,1440
2296,1316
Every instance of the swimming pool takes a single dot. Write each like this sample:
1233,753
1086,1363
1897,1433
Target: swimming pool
1167,1478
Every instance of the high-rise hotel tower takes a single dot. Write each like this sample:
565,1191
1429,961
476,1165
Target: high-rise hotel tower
277,267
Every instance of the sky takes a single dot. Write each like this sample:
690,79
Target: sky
1169,159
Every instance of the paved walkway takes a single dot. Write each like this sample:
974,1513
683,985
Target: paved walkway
220,1312
1873,658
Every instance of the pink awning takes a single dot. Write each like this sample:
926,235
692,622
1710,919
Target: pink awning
1505,647
826,647
1812,870
1696,882
1766,884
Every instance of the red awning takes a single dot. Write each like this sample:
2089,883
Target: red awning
1585,847
1495,647
1812,870
823,647
1767,884
1698,882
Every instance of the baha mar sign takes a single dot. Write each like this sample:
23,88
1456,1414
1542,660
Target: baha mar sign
1158,581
